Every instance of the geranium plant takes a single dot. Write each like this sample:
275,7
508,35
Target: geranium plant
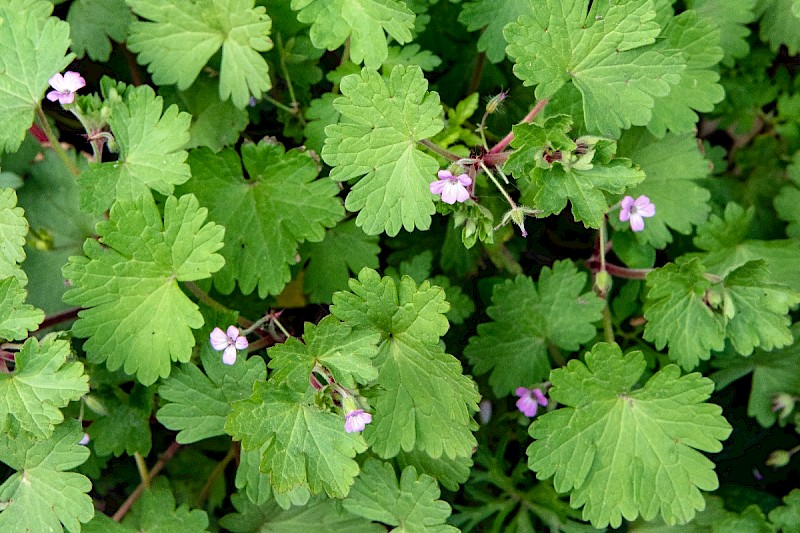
408,265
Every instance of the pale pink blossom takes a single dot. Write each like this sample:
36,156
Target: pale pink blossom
84,440
356,420
452,188
530,400
229,342
65,87
636,211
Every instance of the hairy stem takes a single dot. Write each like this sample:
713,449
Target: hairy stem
505,141
433,147
53,140
500,187
158,467
608,325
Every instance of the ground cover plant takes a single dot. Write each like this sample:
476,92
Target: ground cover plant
407,265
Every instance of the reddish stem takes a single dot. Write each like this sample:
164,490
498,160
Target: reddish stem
505,141
627,273
58,318
168,454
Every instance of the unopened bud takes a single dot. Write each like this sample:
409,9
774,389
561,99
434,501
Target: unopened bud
784,403
494,103
779,458
603,282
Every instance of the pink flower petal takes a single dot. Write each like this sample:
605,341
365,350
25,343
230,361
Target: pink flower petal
540,397
627,202
241,343
527,406
53,96
445,174
219,341
464,180
637,222
462,194
73,81
438,186
229,355
56,81
450,193
356,420
232,333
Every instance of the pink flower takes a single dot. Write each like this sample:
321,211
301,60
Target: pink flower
530,400
356,420
84,440
230,341
636,210
65,87
452,188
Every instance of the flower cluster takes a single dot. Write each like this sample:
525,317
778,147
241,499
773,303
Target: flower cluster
530,400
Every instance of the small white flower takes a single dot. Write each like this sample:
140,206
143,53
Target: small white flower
228,342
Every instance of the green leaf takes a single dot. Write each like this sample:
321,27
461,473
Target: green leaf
151,154
778,25
266,214
136,317
423,402
345,250
319,115
493,15
773,373
607,53
732,19
197,404
155,511
409,55
33,48
215,124
382,121
670,164
787,516
526,318
184,34
42,383
41,496
627,452
411,504
93,23
787,202
367,23
13,230
16,317
321,514
303,444
347,354
678,315
126,427
698,39
257,486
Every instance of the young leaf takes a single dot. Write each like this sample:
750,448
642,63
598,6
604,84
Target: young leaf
627,452
33,48
13,230
347,354
126,429
345,249
778,24
156,511
526,319
382,121
42,383
266,214
136,317
362,21
321,514
93,23
670,164
607,53
698,39
16,317
197,404
151,154
732,20
493,15
41,496
419,386
411,504
184,34
303,444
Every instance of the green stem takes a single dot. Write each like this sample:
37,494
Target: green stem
51,137
280,327
218,471
608,325
279,105
433,147
201,295
285,70
141,466
500,187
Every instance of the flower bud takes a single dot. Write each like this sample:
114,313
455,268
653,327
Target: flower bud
784,403
779,458
494,103
603,282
